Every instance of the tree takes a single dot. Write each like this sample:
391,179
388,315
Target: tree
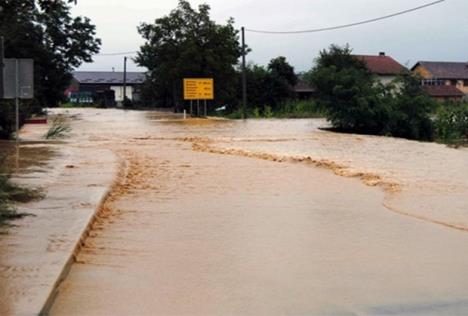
258,79
269,86
410,109
45,31
346,91
187,43
282,80
355,101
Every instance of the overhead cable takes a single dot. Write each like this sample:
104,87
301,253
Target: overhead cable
117,54
350,24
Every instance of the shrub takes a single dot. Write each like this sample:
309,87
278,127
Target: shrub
355,101
451,123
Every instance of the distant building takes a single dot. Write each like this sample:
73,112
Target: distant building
443,80
91,86
304,90
384,67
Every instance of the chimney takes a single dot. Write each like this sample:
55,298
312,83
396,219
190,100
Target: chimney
382,54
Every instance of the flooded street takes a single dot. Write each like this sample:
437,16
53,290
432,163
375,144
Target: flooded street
269,217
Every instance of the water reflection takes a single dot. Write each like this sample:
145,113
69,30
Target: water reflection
25,157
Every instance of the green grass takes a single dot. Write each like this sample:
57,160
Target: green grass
58,129
290,109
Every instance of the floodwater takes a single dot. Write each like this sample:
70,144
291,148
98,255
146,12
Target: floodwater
269,217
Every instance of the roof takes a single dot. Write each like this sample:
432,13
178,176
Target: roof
443,91
445,70
303,87
108,77
382,65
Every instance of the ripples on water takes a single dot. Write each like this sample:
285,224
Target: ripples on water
431,177
189,231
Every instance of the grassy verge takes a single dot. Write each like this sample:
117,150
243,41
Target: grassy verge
289,109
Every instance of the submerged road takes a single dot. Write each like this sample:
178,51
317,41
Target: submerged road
186,232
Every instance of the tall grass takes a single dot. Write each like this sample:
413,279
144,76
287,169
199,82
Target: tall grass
289,109
58,129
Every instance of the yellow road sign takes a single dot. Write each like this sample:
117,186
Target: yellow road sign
198,89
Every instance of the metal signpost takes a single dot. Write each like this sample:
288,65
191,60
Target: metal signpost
198,89
18,82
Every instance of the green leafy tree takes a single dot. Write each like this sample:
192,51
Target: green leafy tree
269,87
346,91
187,43
258,78
282,80
45,31
354,101
410,108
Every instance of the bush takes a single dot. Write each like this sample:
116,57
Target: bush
300,109
451,123
355,101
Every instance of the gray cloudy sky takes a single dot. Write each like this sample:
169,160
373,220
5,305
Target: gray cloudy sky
435,33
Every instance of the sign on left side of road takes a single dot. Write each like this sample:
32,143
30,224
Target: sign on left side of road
24,78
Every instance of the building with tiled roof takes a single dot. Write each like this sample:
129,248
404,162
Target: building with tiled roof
385,67
453,74
444,92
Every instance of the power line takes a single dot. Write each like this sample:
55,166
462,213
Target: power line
117,54
349,25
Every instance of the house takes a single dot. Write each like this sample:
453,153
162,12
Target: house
303,90
91,86
384,67
443,80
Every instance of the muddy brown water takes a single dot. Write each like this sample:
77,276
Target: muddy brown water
25,157
270,217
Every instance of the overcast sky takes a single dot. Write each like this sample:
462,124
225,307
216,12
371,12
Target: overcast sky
435,33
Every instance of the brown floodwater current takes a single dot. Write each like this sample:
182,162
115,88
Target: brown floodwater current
269,217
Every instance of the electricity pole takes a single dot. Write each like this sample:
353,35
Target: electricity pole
244,77
2,56
125,80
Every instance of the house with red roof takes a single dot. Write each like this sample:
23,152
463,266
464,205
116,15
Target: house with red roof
443,80
384,67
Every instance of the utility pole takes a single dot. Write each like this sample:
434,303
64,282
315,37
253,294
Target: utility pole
125,80
17,95
2,57
244,77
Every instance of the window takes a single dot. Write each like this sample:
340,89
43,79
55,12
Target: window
432,82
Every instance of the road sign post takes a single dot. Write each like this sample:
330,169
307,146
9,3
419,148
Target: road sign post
2,49
18,83
198,89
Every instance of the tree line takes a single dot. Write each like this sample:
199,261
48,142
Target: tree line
45,31
188,43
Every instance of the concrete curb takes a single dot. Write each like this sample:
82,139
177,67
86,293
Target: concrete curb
118,175
38,252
